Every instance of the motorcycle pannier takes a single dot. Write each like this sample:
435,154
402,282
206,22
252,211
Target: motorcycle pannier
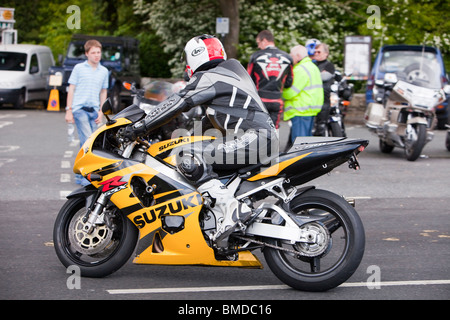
373,115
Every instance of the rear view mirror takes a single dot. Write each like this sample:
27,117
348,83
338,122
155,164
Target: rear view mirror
107,109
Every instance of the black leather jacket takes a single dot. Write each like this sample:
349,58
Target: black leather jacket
228,93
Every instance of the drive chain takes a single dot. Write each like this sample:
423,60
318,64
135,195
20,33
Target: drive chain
295,252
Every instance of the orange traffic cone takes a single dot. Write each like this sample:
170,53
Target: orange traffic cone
53,100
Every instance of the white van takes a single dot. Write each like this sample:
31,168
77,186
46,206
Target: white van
24,73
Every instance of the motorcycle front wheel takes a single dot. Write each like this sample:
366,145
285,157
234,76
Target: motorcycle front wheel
334,254
99,253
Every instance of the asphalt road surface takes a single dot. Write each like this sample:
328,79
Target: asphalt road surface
405,208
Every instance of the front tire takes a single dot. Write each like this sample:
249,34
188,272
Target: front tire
328,262
97,254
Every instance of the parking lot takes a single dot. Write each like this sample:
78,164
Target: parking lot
404,207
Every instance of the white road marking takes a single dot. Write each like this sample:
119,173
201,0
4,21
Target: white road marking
65,164
5,123
8,148
75,143
63,194
12,115
270,287
3,161
65,177
68,154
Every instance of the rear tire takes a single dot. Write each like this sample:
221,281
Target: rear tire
99,254
413,149
386,148
340,255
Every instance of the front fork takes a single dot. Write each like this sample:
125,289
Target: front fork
94,216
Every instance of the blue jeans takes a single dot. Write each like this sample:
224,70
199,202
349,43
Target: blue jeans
301,127
85,123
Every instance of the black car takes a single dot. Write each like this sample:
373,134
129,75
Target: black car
119,54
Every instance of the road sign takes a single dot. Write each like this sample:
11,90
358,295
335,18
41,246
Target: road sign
222,26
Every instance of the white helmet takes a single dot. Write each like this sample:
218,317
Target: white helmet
201,50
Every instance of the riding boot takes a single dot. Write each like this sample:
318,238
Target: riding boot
228,211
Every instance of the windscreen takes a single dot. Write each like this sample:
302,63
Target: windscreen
416,67
13,61
110,52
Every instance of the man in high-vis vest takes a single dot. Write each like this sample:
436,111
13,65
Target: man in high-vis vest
304,99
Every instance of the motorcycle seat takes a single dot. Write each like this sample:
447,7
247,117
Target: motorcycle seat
302,143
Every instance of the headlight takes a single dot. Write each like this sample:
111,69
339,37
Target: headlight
334,99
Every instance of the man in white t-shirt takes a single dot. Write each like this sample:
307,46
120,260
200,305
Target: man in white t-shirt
88,86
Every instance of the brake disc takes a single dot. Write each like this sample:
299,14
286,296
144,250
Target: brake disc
92,243
318,238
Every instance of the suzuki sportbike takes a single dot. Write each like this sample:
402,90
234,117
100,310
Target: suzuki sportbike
139,203
404,115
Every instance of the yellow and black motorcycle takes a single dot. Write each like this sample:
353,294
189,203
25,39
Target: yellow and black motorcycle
139,203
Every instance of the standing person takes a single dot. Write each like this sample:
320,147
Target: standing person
271,70
327,71
234,109
304,99
88,86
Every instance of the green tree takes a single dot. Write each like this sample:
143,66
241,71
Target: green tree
164,26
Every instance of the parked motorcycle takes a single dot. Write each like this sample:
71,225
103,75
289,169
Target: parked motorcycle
138,202
340,97
403,115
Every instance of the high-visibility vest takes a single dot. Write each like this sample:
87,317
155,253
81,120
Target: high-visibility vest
305,96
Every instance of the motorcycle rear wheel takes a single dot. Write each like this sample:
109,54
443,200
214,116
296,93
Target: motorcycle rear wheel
98,254
331,266
413,148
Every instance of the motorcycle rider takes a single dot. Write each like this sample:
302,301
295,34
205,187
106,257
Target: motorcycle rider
235,109
271,70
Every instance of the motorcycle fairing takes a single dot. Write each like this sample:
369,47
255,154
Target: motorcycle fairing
164,149
306,154
172,196
158,245
87,164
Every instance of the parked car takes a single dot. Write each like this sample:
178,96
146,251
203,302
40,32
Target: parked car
24,73
119,54
411,61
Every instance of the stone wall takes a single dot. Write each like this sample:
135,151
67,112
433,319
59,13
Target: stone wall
355,112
